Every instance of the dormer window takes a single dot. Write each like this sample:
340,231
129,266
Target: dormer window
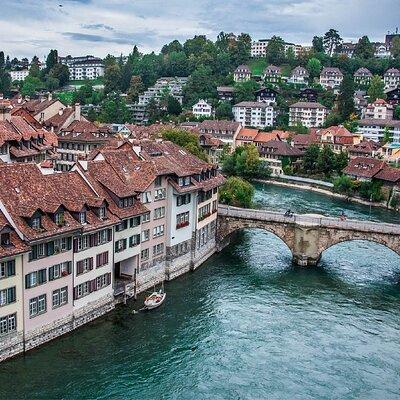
59,218
36,223
185,181
102,212
126,202
82,217
5,239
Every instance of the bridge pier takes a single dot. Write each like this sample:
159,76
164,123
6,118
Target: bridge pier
303,260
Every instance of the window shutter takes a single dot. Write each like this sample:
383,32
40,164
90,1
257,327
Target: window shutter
93,286
69,267
50,248
91,240
11,268
34,252
105,260
108,278
75,292
95,239
69,243
51,273
75,245
98,260
42,276
109,234
79,267
11,295
125,243
91,263
27,282
126,224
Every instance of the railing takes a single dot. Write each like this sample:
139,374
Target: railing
328,222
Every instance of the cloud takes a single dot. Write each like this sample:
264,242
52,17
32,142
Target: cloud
29,27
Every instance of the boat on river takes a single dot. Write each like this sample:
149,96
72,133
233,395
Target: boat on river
155,300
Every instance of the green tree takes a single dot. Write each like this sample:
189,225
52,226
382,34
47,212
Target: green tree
114,110
174,46
245,91
346,98
326,161
299,128
310,157
34,70
344,185
331,40
136,87
236,192
318,44
341,161
31,86
275,52
397,112
364,49
200,85
395,49
5,82
387,137
92,115
2,60
173,106
224,110
314,67
333,118
112,77
60,72
371,190
185,139
51,60
376,89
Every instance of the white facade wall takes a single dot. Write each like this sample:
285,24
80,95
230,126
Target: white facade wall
259,117
19,75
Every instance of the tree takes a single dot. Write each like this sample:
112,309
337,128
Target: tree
318,44
34,70
331,40
92,115
364,49
173,106
200,85
326,161
387,137
245,91
60,72
395,49
299,128
376,89
333,118
344,185
341,161
346,98
185,139
310,157
275,52
114,110
314,68
224,110
135,88
174,46
31,86
2,61
236,192
397,112
112,77
5,82
51,60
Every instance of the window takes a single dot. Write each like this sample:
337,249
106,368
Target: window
84,266
134,222
36,223
35,278
158,181
185,181
120,245
146,217
102,259
146,235
160,194
61,245
82,217
7,268
214,206
37,306
41,250
59,270
158,231
146,197
7,296
8,324
104,236
125,202
60,297
204,211
183,199
5,239
134,240
144,254
122,226
83,289
159,213
101,281
182,220
59,218
102,212
158,249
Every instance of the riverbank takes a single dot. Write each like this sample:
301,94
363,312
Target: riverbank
318,189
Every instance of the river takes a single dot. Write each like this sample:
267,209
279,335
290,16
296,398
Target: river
246,325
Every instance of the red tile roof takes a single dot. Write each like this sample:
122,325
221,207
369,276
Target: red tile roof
364,167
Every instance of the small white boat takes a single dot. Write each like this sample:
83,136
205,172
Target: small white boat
155,300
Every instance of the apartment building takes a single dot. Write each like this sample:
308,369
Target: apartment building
299,76
202,109
21,141
308,114
379,109
226,131
259,48
77,140
362,76
391,78
251,113
374,129
242,73
19,75
330,78
82,68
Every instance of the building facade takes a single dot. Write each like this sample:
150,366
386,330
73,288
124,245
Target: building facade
308,114
251,113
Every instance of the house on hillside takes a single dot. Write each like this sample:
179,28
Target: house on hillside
242,73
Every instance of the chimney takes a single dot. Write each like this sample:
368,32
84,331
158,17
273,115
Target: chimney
1,96
27,98
5,111
77,112
61,111
49,96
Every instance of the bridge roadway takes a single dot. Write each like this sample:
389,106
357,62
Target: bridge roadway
306,235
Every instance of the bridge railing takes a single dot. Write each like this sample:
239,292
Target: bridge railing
329,222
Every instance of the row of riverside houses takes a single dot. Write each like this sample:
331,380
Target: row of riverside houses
330,77
72,243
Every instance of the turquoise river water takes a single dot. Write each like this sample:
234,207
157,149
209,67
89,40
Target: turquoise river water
246,325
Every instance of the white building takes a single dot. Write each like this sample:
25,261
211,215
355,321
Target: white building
251,113
19,75
202,109
299,76
379,109
362,76
81,68
330,78
242,74
374,129
259,48
391,78
308,114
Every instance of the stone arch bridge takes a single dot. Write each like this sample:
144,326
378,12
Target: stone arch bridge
307,236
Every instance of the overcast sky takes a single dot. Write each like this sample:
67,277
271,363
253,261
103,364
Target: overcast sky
99,27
